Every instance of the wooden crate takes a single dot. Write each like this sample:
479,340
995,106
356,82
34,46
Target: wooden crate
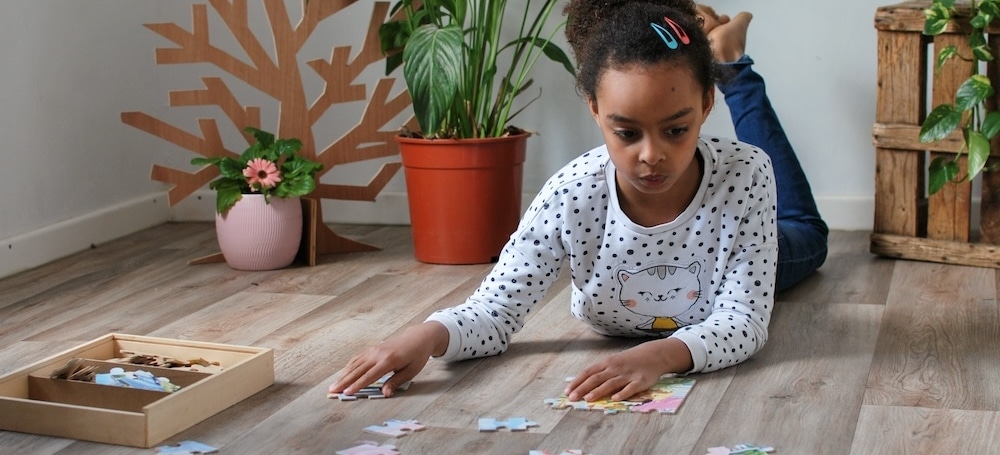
30,402
908,224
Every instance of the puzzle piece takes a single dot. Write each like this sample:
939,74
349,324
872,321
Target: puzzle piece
395,427
372,391
740,449
370,448
512,424
750,449
664,397
186,448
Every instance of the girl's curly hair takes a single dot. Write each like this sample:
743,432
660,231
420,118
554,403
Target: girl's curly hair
606,34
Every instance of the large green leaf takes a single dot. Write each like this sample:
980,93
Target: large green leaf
231,169
941,171
980,48
940,123
979,152
433,69
991,124
936,18
973,91
991,9
551,50
946,54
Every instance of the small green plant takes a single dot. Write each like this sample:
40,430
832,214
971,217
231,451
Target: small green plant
269,166
452,58
967,111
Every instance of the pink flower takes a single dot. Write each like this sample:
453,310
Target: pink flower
262,172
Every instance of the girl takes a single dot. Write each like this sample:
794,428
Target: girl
667,234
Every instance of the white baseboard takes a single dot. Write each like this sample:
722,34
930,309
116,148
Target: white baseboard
32,249
847,213
40,246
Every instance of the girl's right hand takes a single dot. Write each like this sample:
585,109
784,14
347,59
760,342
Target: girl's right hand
404,353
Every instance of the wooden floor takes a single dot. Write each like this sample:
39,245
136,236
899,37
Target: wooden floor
868,356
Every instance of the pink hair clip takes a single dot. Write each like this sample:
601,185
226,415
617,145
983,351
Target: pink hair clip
671,38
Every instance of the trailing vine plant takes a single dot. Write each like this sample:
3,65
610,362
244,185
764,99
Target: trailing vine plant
967,111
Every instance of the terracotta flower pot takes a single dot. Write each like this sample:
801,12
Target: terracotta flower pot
464,196
255,235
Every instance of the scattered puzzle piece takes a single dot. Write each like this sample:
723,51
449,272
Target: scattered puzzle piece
740,449
395,427
664,397
370,448
372,391
512,424
750,449
186,448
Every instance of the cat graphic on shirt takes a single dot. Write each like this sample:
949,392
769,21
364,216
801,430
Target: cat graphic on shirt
661,293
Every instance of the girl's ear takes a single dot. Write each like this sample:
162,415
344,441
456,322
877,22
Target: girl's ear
709,101
592,104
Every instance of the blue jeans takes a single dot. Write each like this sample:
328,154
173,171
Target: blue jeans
802,234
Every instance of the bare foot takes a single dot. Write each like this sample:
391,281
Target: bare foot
727,35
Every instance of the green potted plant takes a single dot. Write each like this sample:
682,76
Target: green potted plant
967,112
464,79
258,214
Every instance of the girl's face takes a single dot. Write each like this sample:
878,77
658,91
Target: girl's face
651,117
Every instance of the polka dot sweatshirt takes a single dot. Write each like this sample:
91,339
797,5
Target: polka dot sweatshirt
706,278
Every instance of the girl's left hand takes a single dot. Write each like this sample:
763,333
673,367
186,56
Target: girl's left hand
629,372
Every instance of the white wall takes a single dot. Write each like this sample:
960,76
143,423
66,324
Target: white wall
73,175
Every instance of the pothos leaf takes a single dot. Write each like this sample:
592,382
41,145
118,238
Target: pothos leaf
979,151
936,18
940,123
990,8
941,171
946,54
980,48
991,124
973,91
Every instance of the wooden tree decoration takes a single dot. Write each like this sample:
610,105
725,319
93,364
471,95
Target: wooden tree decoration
280,78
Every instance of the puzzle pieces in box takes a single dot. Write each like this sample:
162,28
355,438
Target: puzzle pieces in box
370,448
664,397
512,424
395,427
186,448
372,391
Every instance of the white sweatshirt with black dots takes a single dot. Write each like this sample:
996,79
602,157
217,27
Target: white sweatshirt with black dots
706,278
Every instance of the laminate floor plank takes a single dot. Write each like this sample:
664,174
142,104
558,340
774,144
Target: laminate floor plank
817,358
906,429
938,342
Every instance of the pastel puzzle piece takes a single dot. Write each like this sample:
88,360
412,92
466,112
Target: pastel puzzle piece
186,448
396,427
740,449
372,391
664,397
750,449
512,424
370,448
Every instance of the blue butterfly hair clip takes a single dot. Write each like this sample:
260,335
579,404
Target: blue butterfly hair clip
674,35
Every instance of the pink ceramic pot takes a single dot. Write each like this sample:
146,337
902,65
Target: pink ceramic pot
255,235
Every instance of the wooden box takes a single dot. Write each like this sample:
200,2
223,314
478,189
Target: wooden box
908,223
30,402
